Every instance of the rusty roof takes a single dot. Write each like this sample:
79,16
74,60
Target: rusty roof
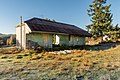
42,25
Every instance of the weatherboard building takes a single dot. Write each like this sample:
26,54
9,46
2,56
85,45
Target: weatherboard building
47,33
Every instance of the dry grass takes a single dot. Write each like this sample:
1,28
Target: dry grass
46,66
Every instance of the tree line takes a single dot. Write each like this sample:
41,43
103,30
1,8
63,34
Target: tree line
7,39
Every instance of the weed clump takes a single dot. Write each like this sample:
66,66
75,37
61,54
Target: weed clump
36,57
26,54
19,57
4,57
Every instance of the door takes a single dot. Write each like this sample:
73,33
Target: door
45,40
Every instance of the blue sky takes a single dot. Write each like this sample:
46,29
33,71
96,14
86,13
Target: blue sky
66,11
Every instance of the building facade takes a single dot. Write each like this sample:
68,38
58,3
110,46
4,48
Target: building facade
45,33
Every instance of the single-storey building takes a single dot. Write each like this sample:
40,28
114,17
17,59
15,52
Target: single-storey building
46,33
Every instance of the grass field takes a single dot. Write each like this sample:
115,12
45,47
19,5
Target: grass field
77,65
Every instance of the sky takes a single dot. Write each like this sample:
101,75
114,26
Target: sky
65,11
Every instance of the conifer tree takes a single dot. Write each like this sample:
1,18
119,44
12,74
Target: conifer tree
101,18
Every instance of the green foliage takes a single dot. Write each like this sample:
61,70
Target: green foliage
101,18
114,33
5,37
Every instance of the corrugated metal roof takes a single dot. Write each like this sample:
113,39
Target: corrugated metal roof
42,25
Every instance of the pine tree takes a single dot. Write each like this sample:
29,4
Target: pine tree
114,33
101,18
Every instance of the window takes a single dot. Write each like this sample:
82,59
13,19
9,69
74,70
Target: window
56,39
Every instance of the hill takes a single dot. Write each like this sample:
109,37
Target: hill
5,35
1,35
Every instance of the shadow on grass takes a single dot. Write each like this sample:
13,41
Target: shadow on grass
96,47
101,46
